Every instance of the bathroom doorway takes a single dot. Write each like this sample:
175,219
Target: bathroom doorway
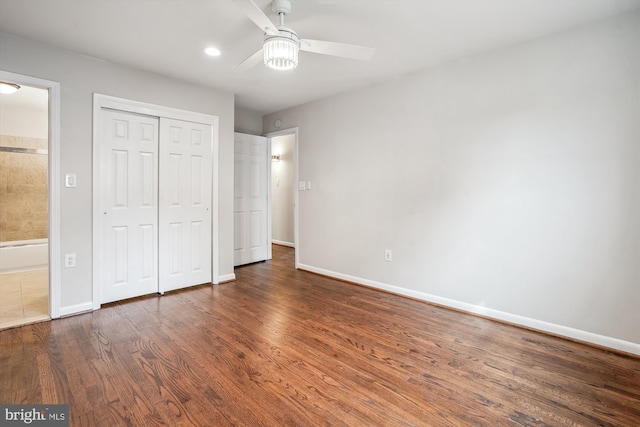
24,205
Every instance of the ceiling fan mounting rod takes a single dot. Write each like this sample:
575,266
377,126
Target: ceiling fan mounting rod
281,7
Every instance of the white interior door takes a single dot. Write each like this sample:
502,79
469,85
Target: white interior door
251,214
185,204
128,203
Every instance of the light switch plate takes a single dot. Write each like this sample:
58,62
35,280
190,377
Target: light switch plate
302,185
70,180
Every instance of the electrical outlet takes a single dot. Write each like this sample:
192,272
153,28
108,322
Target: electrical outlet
387,255
70,261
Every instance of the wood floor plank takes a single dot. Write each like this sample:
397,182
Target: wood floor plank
224,391
285,347
276,357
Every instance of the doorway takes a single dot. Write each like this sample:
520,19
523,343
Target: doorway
28,144
284,189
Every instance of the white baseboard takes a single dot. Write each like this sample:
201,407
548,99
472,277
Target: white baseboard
576,334
226,278
76,309
282,243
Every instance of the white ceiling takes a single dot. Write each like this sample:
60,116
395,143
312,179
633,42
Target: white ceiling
168,37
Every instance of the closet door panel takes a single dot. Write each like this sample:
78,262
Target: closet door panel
128,205
185,204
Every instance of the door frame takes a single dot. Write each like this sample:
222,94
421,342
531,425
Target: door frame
289,131
55,259
101,101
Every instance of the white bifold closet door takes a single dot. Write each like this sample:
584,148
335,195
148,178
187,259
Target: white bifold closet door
156,204
185,204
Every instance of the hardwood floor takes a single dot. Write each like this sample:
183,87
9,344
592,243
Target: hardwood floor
285,347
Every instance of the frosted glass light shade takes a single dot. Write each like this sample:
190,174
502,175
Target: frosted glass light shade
281,53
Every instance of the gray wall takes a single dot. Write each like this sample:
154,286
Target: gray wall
79,77
506,183
248,121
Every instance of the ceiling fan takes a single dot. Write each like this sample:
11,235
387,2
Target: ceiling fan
281,44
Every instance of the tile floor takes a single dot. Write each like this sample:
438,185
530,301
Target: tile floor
24,297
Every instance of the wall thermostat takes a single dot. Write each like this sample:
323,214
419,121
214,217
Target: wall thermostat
277,123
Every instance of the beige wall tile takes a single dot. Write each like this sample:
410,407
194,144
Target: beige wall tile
24,191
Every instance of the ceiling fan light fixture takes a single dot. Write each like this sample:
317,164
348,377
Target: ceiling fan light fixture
281,51
281,45
8,88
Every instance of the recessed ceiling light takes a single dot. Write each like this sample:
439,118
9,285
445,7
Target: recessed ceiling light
212,51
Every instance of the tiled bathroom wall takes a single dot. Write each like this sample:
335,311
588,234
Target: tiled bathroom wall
23,190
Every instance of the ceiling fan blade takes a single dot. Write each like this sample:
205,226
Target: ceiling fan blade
337,49
250,62
254,13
